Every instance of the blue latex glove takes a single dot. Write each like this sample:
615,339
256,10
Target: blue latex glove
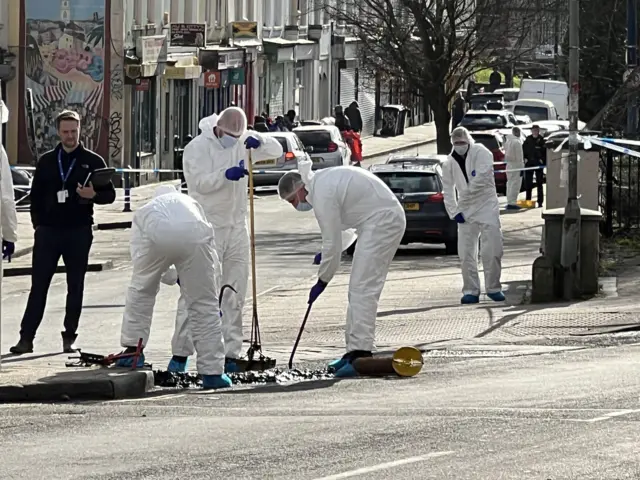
316,290
251,143
8,249
236,173
459,218
317,259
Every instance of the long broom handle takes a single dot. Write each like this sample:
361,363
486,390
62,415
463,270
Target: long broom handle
252,237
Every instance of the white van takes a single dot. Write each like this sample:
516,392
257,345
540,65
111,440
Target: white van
555,91
537,110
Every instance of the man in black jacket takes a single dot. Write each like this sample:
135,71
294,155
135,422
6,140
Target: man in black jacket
62,216
535,155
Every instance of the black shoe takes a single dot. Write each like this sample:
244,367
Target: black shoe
22,347
68,343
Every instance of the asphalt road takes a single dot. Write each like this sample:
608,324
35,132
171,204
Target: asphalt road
571,415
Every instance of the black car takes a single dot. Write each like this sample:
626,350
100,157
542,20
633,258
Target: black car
419,189
21,186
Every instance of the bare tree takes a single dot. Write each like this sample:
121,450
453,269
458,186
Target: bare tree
435,46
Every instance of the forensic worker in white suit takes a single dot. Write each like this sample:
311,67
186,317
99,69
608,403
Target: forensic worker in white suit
215,168
514,156
470,199
344,198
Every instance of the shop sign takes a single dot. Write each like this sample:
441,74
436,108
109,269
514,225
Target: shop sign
151,50
236,76
244,30
212,80
143,84
188,34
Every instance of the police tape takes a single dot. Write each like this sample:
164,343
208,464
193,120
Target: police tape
524,169
152,170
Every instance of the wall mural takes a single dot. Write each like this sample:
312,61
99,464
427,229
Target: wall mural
64,63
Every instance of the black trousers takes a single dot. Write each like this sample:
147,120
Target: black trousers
73,245
528,182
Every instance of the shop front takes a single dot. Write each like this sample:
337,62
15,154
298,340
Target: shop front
223,80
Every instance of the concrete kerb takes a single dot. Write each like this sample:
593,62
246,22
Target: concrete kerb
399,148
95,384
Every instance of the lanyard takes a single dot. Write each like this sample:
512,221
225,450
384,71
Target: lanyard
64,176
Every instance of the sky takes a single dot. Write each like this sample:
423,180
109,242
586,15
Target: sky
50,9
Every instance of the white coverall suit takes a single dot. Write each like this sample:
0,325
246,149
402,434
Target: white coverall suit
9,218
352,197
205,162
477,200
515,159
172,229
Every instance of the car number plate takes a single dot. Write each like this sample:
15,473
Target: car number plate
317,159
266,162
412,206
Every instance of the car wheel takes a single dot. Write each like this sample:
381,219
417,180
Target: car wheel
451,248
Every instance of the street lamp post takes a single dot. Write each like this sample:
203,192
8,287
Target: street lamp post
571,222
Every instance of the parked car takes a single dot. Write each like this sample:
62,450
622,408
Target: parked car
21,186
479,100
538,110
329,149
494,141
509,94
428,159
488,120
419,189
268,172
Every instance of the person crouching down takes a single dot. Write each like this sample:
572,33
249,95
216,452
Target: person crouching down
470,198
172,229
343,198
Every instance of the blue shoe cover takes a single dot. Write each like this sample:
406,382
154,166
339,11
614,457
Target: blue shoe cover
177,367
336,365
213,382
496,296
230,366
347,371
469,299
128,362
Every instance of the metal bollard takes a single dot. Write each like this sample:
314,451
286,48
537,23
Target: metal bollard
126,184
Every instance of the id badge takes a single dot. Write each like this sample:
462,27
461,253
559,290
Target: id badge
62,196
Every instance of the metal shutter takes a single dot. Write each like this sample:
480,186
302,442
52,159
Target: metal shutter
347,86
367,103
276,97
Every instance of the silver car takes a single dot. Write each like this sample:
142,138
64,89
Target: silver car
418,159
268,172
328,147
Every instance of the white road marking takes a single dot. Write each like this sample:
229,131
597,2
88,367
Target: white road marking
385,466
609,416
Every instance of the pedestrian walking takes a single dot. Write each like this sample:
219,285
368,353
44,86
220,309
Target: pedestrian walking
535,155
343,198
458,110
62,216
352,112
514,157
341,120
470,199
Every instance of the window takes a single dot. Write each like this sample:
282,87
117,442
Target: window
183,91
167,120
218,13
410,182
483,120
318,139
536,114
278,13
303,8
145,103
489,141
283,143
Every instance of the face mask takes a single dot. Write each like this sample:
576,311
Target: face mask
460,149
227,141
304,207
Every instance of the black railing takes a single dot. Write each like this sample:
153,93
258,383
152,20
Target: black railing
619,192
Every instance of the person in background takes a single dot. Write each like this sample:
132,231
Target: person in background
341,120
290,120
260,124
352,112
458,110
62,216
470,198
514,157
495,79
535,155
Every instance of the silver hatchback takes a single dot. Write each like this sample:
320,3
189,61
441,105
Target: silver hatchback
268,172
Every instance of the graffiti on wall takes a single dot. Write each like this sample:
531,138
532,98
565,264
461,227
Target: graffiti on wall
115,135
64,66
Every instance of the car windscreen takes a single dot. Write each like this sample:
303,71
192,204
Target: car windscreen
480,120
536,114
510,96
410,182
488,141
315,138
